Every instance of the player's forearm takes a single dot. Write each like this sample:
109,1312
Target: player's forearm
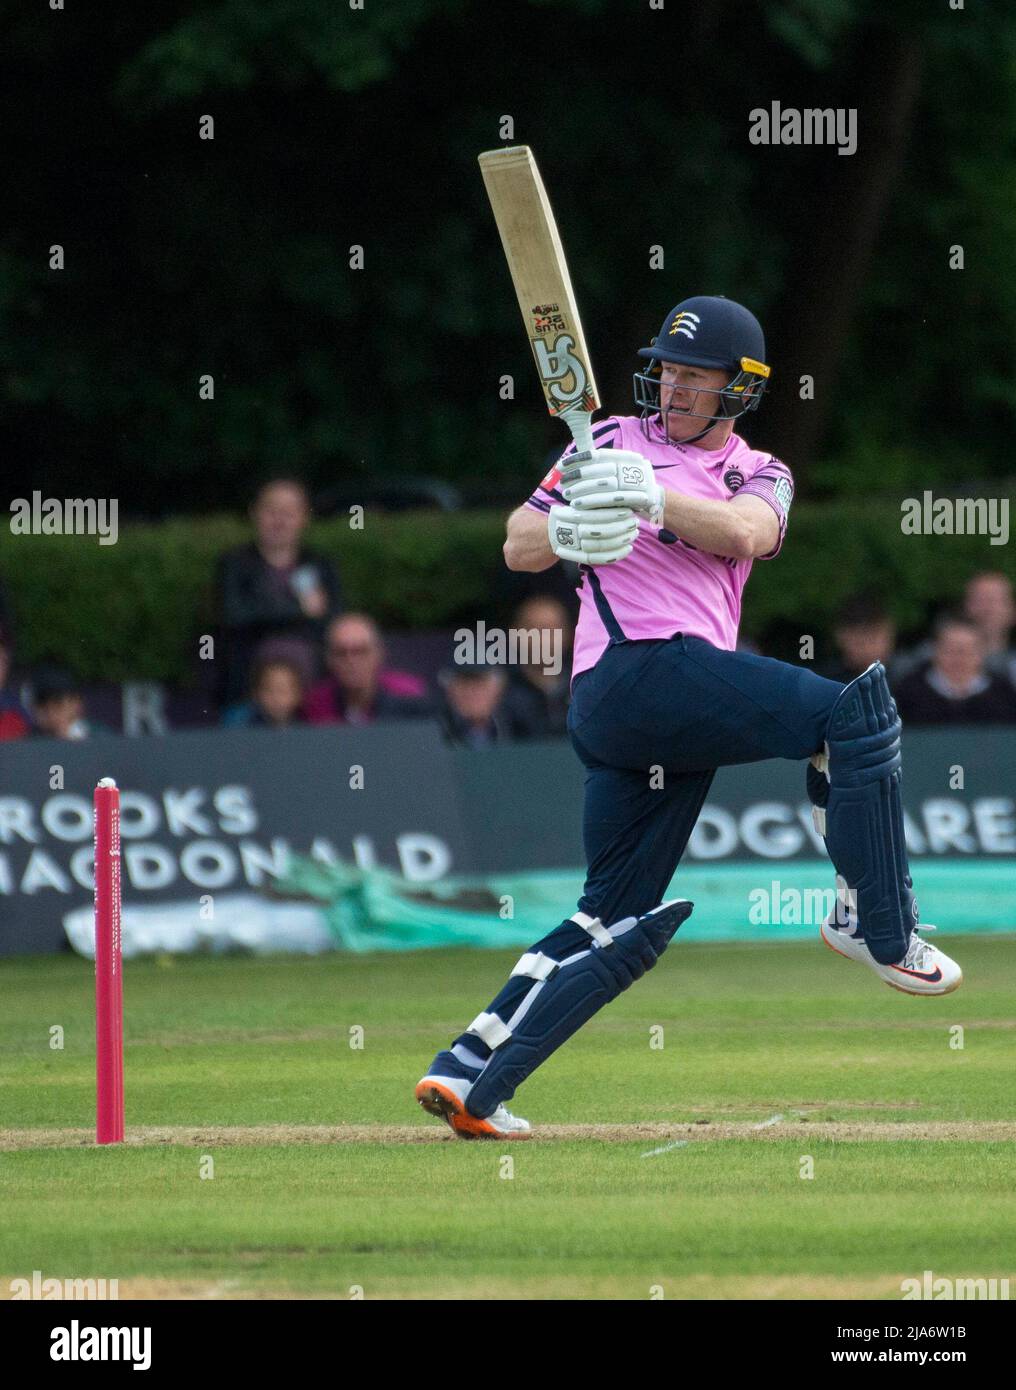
715,527
527,546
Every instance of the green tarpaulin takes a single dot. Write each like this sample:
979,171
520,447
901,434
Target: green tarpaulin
376,910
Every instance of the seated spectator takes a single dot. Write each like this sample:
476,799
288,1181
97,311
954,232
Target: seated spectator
402,682
955,688
988,602
863,632
58,706
275,588
276,698
470,712
535,700
354,691
15,721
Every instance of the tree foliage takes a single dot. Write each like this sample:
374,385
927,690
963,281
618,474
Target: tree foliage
337,127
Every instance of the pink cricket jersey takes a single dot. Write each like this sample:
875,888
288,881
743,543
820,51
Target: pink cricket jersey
666,585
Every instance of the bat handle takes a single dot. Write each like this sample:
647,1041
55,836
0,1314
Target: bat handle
580,422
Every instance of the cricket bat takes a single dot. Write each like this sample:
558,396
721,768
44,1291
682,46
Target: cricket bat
539,271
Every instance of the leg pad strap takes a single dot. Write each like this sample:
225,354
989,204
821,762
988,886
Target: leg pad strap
558,1005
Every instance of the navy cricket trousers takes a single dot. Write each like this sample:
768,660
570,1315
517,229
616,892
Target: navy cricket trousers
685,708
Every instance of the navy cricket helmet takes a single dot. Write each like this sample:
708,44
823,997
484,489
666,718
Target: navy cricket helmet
711,332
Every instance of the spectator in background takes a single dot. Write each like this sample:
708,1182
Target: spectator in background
988,602
15,721
58,706
276,698
471,712
536,701
275,590
355,691
863,632
955,688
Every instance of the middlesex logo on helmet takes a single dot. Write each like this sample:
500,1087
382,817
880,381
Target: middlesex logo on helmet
684,323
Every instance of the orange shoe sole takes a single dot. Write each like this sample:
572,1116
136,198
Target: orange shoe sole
914,993
444,1103
923,993
832,947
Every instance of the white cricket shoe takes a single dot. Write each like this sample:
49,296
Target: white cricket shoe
923,970
445,1096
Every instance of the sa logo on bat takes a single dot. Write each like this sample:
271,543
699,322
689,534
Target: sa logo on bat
557,363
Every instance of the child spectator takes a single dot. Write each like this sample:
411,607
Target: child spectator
58,706
276,698
955,688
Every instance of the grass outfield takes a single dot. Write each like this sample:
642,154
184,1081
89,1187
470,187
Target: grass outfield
676,1169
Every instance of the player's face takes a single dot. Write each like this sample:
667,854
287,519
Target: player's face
688,396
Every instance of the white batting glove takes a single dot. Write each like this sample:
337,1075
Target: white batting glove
592,538
612,478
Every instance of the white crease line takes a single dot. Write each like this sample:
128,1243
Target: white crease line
775,1119
682,1143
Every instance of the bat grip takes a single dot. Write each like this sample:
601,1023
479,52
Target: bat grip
580,422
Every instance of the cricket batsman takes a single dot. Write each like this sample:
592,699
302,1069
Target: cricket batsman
666,516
